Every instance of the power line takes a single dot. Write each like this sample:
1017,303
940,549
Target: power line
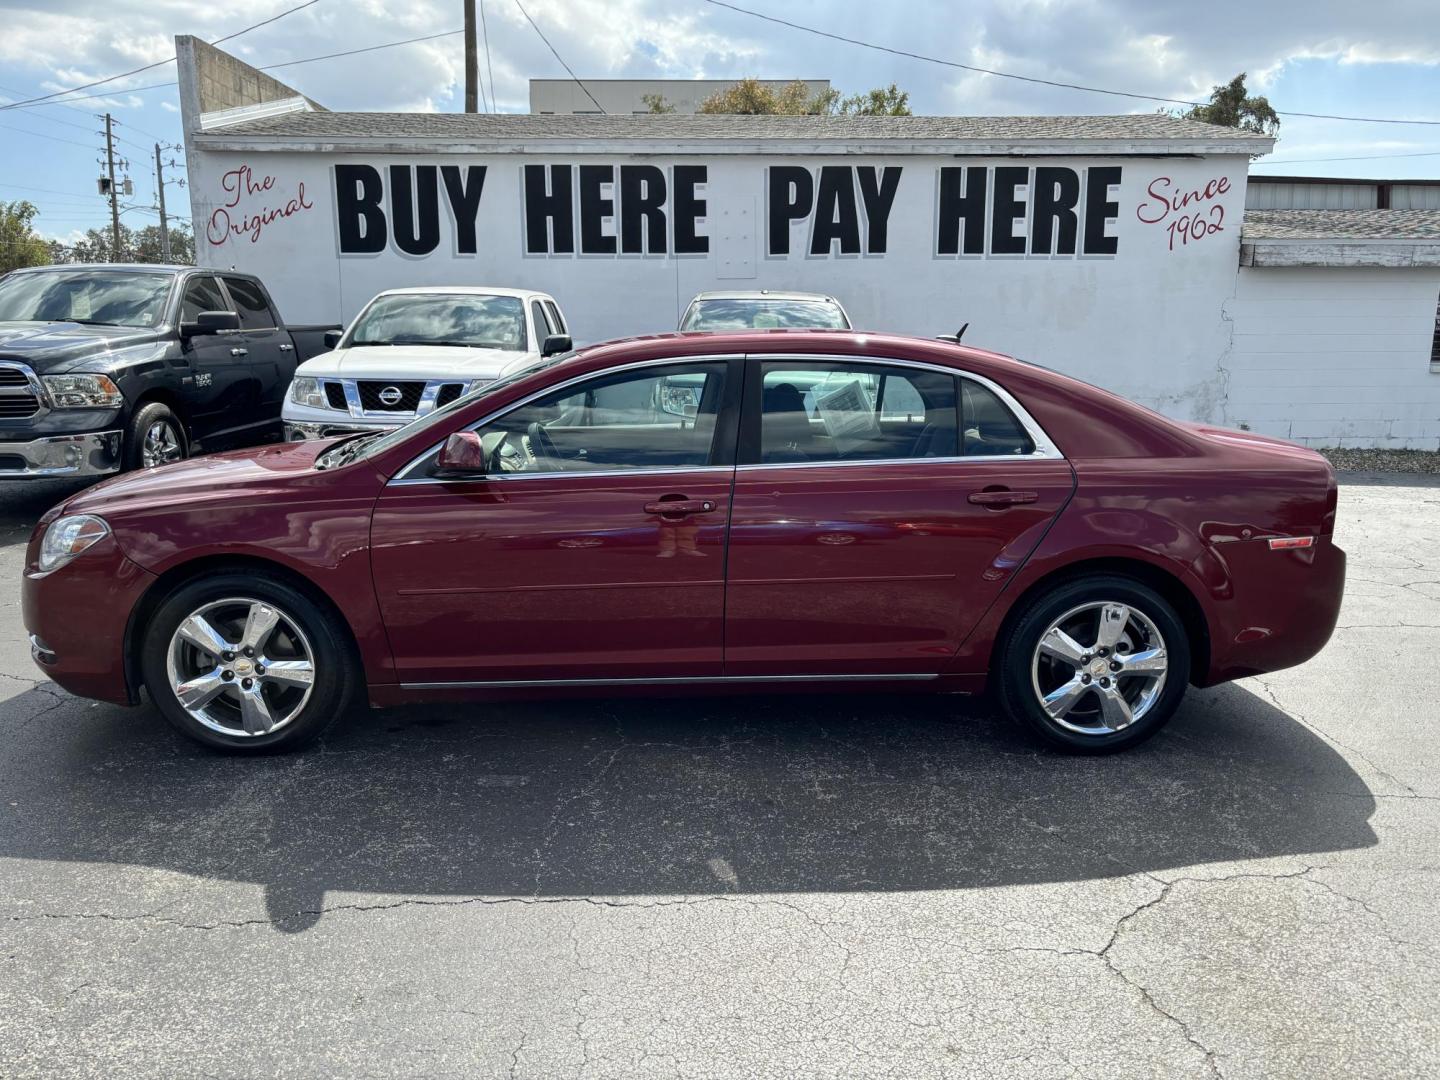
1030,78
485,33
52,138
557,56
1366,157
158,63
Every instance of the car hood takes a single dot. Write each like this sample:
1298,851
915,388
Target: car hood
253,472
50,347
415,362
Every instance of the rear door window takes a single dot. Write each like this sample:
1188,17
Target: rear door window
835,411
255,312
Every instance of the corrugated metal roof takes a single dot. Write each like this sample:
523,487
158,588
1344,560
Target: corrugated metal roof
1341,225
689,128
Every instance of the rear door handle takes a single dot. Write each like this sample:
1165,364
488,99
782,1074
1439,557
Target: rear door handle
1003,498
239,352
679,507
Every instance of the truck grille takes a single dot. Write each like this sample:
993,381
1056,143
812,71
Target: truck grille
17,400
409,401
335,395
448,392
15,406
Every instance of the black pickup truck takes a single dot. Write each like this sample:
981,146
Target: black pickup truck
109,367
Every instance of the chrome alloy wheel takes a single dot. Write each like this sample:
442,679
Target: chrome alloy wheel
241,667
1099,668
161,445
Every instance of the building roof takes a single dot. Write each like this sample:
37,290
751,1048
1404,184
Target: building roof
1341,225
1342,238
466,132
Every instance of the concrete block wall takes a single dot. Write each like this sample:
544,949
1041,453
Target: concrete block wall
1335,357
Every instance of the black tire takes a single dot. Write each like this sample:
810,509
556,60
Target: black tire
1020,679
145,418
336,672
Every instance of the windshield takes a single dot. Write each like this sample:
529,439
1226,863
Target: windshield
369,446
476,320
96,297
765,314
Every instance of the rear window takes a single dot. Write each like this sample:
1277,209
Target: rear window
764,314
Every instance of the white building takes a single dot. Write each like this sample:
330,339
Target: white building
1109,247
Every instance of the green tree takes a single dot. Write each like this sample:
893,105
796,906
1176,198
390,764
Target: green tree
136,245
1231,106
20,245
754,98
881,101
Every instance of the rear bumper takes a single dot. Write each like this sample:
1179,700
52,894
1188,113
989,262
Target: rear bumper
94,453
1285,607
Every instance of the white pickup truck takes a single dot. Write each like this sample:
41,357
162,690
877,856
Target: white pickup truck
412,350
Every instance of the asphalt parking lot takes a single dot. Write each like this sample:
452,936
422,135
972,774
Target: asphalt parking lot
839,886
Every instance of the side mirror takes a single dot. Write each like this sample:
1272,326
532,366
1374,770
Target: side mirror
556,343
461,455
332,338
210,322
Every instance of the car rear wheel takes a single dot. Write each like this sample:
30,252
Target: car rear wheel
247,664
1095,665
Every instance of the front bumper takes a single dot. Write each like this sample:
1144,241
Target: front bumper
299,431
93,453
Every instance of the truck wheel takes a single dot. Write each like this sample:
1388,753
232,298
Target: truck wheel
1094,665
155,437
246,663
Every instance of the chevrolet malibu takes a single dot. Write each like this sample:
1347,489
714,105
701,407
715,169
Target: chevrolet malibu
766,511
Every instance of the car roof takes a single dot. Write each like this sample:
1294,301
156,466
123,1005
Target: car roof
169,268
764,294
464,290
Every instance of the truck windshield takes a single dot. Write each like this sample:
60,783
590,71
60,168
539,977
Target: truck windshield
91,296
743,313
476,320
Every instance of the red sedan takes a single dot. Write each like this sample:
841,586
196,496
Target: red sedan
758,510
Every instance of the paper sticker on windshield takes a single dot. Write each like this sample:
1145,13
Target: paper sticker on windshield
80,304
849,419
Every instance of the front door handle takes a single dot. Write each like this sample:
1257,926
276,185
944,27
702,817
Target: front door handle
237,351
1004,497
286,348
679,507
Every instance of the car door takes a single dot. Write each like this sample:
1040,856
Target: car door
592,549
215,365
878,509
269,359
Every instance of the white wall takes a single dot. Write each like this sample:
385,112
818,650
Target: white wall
1146,321
1335,357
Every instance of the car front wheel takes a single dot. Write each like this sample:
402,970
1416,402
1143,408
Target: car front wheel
247,663
1095,665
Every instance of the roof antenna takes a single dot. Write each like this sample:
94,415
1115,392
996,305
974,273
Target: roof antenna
954,338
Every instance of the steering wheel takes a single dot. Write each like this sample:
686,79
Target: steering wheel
541,446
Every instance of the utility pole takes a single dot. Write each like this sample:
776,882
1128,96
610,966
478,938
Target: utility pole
472,60
160,195
114,192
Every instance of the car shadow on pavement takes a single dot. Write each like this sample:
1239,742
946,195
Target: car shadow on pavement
676,796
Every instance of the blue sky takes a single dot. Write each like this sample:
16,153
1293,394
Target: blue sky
1322,56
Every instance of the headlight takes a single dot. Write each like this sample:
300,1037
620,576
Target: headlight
83,392
307,391
69,536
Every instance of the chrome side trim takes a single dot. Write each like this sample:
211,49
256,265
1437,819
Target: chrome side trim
515,478
667,680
